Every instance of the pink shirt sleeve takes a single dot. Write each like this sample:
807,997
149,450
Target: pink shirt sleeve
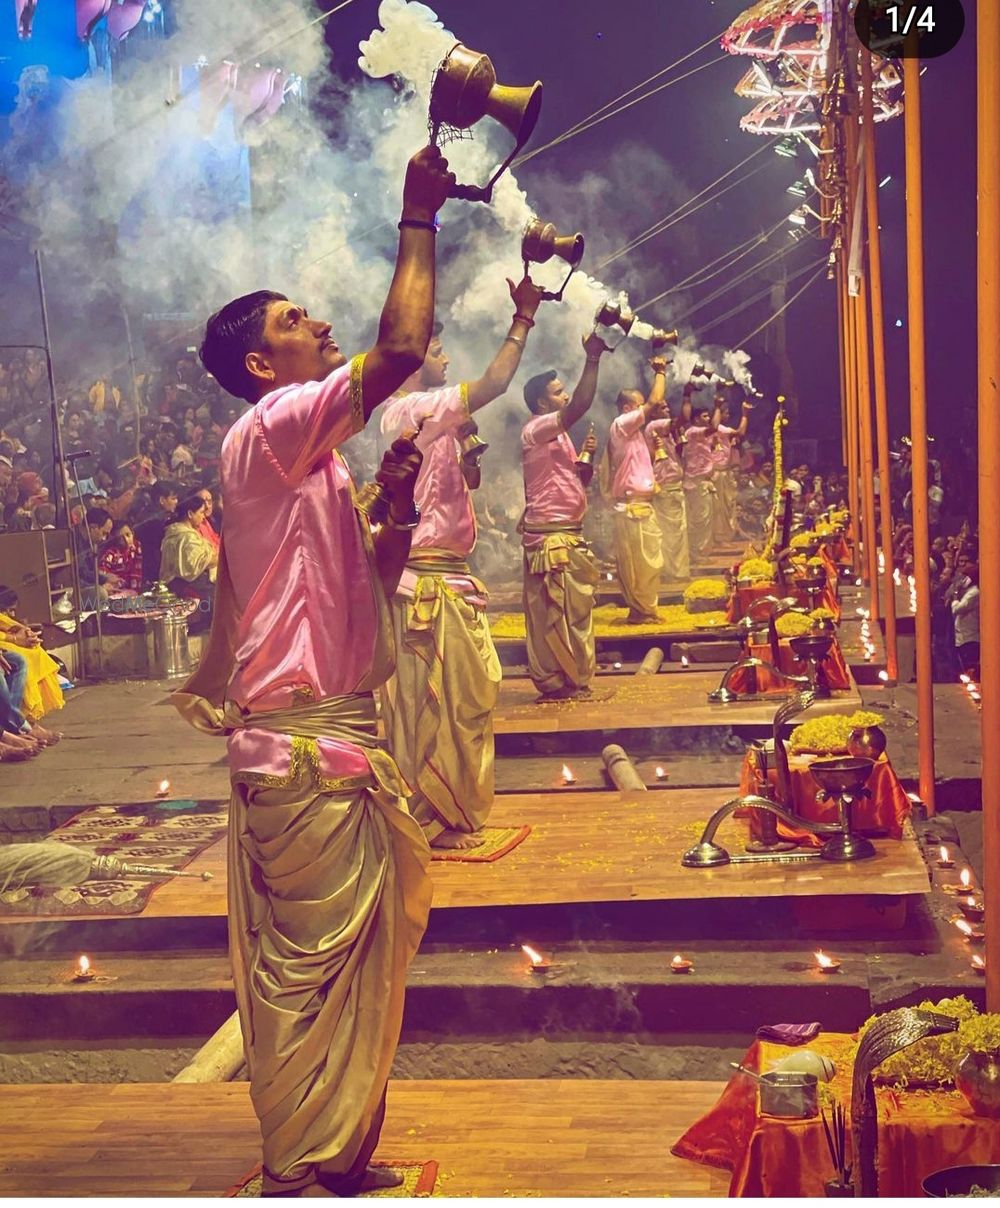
631,421
300,426
439,411
541,430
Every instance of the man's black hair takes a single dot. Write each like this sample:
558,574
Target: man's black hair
231,333
97,516
535,388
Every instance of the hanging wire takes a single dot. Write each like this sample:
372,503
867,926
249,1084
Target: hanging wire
745,275
621,97
696,278
682,211
588,124
798,294
303,29
819,265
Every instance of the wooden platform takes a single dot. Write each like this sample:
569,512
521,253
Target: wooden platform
532,1138
593,847
641,702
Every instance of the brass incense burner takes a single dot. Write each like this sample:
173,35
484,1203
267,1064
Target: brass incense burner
814,649
464,91
541,241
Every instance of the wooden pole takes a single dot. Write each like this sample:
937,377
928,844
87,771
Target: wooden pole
988,41
841,348
220,1058
918,425
651,661
878,365
623,772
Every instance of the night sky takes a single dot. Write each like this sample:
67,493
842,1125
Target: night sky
587,52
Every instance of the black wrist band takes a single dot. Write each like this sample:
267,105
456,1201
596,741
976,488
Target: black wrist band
419,224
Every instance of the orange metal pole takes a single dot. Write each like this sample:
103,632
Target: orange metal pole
878,365
853,349
867,449
841,340
989,471
918,425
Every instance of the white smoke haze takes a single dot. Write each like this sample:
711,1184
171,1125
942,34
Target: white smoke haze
327,180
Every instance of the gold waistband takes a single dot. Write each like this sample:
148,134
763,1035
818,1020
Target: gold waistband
554,526
348,718
431,561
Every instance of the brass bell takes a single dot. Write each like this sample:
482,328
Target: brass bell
464,91
660,339
374,502
700,371
659,449
472,447
586,458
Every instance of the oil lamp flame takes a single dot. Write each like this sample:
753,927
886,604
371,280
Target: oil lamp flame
945,855
684,661
966,878
884,676
83,966
680,964
661,773
163,788
827,963
979,963
538,962
567,774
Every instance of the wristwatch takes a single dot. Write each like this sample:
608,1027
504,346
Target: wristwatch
405,525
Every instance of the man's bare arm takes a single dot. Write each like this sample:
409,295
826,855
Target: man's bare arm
586,387
408,314
527,297
398,475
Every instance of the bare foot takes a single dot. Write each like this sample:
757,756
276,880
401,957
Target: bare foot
11,754
378,1178
48,738
452,840
23,742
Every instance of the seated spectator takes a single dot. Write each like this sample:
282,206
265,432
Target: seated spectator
151,528
207,528
87,541
188,562
17,734
41,692
121,556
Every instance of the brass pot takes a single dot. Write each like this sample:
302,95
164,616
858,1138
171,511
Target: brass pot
866,742
977,1076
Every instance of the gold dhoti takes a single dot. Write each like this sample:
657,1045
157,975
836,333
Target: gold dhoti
560,577
438,707
671,515
328,899
639,556
724,515
699,497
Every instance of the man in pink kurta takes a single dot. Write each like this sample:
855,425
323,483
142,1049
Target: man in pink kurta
699,468
328,886
438,706
724,460
633,487
668,502
560,573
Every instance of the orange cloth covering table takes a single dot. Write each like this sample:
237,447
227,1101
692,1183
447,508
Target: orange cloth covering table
837,674
885,811
743,597
918,1132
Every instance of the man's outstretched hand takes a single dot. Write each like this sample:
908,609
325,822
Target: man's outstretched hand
526,296
428,184
398,475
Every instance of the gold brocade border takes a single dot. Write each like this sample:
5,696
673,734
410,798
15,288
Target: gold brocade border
463,394
304,761
357,393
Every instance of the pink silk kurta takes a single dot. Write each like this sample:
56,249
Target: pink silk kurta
668,470
632,467
553,491
300,566
447,520
698,461
722,448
